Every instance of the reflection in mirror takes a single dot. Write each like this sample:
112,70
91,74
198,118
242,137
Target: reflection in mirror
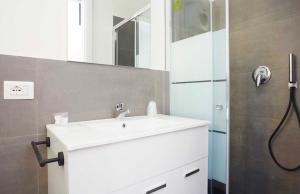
117,32
132,40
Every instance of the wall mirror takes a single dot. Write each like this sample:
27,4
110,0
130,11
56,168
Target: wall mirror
117,32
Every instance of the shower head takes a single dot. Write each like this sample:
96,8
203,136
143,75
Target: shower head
292,71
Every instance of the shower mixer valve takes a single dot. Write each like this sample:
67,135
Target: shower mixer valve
261,75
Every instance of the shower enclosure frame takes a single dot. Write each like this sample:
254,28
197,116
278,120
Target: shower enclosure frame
227,73
227,50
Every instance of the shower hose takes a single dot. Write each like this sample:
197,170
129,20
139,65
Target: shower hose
292,102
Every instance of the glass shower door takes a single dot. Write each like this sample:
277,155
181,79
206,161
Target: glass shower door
199,82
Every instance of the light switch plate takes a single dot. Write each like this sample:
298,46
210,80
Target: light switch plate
18,90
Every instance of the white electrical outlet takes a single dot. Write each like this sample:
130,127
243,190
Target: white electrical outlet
18,90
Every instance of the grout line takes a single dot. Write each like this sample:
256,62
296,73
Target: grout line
200,81
216,131
187,82
220,80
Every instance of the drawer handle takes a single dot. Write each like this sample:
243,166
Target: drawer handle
156,189
191,173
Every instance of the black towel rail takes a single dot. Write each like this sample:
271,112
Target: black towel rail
43,162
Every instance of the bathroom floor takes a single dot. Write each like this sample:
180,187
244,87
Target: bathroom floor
215,191
216,188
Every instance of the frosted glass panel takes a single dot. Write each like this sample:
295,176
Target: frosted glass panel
192,100
198,76
219,54
192,59
210,154
219,157
219,121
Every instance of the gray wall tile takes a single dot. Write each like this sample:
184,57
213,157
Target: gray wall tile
262,33
18,166
86,91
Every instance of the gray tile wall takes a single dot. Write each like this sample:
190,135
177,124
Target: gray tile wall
86,91
262,32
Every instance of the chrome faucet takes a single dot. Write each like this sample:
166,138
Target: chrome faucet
121,113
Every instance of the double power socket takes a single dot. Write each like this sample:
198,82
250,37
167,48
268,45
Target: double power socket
18,90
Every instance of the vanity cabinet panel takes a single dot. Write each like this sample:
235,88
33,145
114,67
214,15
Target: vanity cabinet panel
190,179
129,162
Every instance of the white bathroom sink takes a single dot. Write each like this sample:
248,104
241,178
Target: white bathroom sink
129,156
79,135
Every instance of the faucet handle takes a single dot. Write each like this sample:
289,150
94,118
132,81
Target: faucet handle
120,107
261,75
258,80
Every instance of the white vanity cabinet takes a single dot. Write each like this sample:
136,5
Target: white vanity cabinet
150,155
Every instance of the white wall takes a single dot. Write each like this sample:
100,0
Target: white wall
76,32
34,28
158,35
102,32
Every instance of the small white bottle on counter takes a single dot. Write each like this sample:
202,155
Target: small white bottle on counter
61,118
151,109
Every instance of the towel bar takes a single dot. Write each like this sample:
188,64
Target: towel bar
43,162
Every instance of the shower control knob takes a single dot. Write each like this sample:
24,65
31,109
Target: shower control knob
261,75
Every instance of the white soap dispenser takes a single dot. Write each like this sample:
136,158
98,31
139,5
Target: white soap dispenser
152,109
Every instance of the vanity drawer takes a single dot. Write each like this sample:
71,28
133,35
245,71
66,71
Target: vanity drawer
190,179
157,185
